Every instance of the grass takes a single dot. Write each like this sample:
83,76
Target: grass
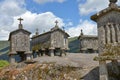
3,63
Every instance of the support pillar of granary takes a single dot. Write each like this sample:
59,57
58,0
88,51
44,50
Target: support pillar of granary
51,51
113,33
108,33
115,67
12,57
103,70
39,54
102,36
63,53
118,32
33,52
28,55
43,52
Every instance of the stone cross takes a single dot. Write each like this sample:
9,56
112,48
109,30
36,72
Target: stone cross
56,22
81,32
20,19
113,1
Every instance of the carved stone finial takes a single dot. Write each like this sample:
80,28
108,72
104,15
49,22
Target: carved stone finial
56,22
37,33
20,19
113,3
81,32
20,25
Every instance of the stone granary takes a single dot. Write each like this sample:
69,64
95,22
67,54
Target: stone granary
108,23
53,42
19,43
88,43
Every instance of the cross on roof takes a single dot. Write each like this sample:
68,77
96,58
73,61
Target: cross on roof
81,32
56,22
113,1
20,19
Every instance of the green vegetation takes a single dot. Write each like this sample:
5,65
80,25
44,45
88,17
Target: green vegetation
3,63
73,45
44,71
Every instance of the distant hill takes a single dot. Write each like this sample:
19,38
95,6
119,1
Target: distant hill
74,45
4,49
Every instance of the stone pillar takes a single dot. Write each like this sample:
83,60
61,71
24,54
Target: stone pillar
11,59
108,33
39,54
63,52
101,37
51,51
118,32
33,52
113,33
43,52
103,70
115,67
28,55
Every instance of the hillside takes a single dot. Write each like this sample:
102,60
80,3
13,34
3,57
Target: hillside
73,45
4,47
70,67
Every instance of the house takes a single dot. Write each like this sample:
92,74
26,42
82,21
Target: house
108,24
19,43
88,43
53,42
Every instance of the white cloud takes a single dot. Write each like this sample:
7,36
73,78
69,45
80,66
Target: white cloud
46,1
92,6
88,28
43,21
11,10
12,7
3,34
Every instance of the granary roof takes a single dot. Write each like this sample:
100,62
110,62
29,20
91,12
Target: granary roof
112,7
86,36
18,31
56,28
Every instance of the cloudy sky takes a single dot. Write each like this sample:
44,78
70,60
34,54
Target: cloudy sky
73,15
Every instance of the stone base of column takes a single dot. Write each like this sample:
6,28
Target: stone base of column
51,52
103,70
115,67
12,57
39,54
28,55
63,53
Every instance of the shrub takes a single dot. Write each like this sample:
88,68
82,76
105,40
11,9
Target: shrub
3,63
